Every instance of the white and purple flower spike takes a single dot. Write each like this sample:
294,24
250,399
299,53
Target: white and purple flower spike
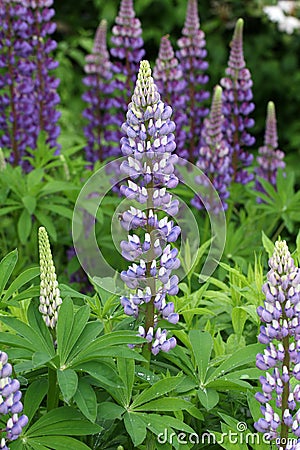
149,145
281,333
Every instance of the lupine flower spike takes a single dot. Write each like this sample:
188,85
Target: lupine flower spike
29,97
10,402
214,155
270,159
237,105
168,77
280,331
191,57
50,299
101,127
149,145
40,14
16,84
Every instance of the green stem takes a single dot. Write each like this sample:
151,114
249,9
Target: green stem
52,395
279,230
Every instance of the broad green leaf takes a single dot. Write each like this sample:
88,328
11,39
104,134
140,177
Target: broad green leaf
30,203
135,427
160,422
37,323
22,279
239,317
57,186
126,372
88,335
60,210
241,357
34,395
64,328
165,404
37,342
59,443
110,411
268,244
68,382
7,266
63,421
86,400
157,390
24,226
226,384
202,344
102,372
12,340
208,398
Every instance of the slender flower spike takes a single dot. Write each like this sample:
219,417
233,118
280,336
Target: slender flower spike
40,15
237,105
270,159
168,77
102,128
16,84
214,155
280,332
10,402
191,57
50,299
149,145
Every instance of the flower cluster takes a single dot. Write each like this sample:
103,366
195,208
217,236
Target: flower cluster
192,56
281,359
10,402
270,159
214,156
102,127
237,105
149,145
29,99
168,77
50,299
283,14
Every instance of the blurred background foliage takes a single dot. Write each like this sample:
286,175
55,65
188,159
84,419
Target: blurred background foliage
272,56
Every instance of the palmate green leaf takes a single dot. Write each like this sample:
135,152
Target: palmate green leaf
32,336
157,390
86,400
37,323
158,423
58,186
110,411
7,266
165,404
59,209
62,421
126,372
34,395
12,340
68,382
88,335
24,226
69,328
101,371
239,317
30,203
202,345
241,357
29,293
136,427
19,282
208,397
227,383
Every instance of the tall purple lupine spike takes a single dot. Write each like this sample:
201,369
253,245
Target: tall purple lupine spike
10,402
168,77
40,15
270,159
102,126
149,145
191,57
281,359
214,155
16,84
237,105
